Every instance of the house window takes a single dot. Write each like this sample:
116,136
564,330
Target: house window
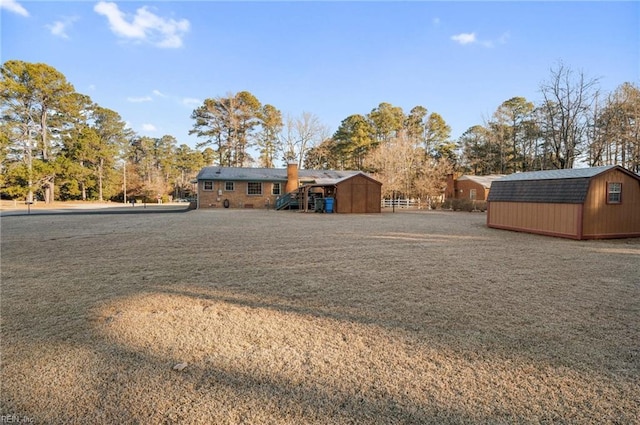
614,193
276,189
472,194
229,186
208,185
254,188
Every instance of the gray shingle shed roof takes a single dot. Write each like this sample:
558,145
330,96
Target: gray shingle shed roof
553,186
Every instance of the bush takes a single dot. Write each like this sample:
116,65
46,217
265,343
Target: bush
480,206
462,205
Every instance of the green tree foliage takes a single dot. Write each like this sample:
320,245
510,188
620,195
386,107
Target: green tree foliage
228,124
35,99
476,151
416,126
268,140
353,139
386,122
57,143
437,138
516,128
188,163
90,149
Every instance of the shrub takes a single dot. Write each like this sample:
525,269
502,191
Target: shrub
480,206
462,205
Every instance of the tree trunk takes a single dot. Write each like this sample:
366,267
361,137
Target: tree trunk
100,171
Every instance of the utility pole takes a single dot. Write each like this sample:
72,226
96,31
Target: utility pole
124,180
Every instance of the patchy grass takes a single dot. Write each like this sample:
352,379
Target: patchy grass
288,318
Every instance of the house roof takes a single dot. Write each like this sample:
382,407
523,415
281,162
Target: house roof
322,177
553,186
571,173
485,181
242,174
325,177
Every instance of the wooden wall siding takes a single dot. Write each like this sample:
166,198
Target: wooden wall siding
612,220
534,217
358,195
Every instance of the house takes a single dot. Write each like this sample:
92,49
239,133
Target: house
290,188
587,203
475,188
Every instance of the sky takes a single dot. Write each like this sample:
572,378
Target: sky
154,62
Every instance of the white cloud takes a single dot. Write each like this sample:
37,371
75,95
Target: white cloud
139,99
191,101
464,38
159,93
435,21
14,6
148,127
59,28
470,38
144,26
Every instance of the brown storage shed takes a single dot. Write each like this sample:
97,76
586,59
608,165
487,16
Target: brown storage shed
355,194
358,194
581,203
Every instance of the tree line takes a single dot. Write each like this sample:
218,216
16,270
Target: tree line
56,143
574,121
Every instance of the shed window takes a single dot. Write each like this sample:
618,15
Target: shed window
254,188
229,186
276,189
472,194
614,193
208,185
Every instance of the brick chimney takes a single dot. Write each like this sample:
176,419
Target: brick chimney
292,177
450,191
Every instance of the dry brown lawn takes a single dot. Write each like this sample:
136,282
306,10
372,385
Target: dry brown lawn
292,318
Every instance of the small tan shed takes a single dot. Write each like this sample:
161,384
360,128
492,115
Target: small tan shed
583,203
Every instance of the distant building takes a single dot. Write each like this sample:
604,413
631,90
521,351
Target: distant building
288,188
475,188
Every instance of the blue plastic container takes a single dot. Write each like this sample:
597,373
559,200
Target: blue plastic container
328,205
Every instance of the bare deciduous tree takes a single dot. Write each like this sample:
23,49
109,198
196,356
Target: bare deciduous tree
565,114
301,134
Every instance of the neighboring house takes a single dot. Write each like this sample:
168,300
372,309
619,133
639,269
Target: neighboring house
580,203
475,188
232,187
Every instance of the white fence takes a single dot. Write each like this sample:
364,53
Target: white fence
404,203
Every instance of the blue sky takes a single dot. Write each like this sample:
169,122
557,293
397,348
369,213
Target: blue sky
153,62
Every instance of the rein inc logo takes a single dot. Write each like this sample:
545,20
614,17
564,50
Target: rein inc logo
15,419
